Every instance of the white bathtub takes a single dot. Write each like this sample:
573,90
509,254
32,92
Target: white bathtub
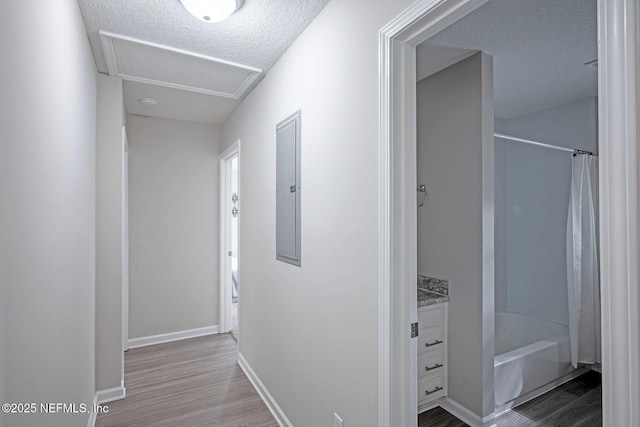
530,353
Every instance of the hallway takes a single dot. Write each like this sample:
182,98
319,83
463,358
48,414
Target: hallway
187,383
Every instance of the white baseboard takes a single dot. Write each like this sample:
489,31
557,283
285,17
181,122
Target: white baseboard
92,414
461,412
173,336
111,394
429,406
104,396
273,406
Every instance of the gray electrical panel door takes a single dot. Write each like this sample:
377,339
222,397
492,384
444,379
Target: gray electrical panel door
288,189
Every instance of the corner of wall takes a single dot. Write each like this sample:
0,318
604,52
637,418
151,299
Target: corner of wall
109,232
49,271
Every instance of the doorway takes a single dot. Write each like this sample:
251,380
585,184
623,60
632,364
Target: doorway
229,239
617,140
125,252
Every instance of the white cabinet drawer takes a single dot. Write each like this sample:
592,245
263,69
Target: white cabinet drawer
431,316
432,354
430,387
431,362
430,339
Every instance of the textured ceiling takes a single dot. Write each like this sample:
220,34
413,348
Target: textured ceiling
539,49
177,104
172,48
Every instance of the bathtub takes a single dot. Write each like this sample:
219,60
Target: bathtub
530,353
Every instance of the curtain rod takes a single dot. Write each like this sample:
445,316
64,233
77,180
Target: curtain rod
541,144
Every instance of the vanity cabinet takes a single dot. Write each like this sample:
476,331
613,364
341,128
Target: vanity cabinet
432,354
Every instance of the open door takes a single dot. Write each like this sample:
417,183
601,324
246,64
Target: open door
229,233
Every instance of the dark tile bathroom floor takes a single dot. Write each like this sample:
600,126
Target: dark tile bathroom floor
577,403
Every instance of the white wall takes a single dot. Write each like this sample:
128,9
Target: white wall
47,213
173,214
109,223
500,212
450,224
3,336
316,364
534,187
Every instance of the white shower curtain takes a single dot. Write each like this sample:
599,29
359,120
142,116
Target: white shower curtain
582,262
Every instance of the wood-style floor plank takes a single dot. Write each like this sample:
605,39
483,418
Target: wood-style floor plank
577,412
577,403
549,402
195,382
438,417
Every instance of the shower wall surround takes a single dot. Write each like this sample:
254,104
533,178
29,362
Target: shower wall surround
531,203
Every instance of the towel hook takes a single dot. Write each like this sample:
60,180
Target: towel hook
422,189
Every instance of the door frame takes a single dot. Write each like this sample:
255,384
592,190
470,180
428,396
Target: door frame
125,251
224,291
619,127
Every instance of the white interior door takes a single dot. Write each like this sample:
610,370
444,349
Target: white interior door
229,242
232,240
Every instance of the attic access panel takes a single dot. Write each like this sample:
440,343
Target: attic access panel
145,62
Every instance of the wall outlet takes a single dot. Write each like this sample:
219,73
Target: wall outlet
337,421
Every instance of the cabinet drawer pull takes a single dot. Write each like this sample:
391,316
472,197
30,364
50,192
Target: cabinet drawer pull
429,344
427,392
436,366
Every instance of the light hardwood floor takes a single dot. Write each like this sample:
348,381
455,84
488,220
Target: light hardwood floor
195,382
577,403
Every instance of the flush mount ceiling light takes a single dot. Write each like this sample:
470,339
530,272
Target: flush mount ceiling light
211,10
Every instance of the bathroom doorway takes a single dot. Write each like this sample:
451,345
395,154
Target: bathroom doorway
229,239
530,102
616,144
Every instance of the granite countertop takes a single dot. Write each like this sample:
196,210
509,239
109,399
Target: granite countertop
426,298
432,291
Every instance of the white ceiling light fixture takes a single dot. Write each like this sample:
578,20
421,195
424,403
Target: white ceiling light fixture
211,10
